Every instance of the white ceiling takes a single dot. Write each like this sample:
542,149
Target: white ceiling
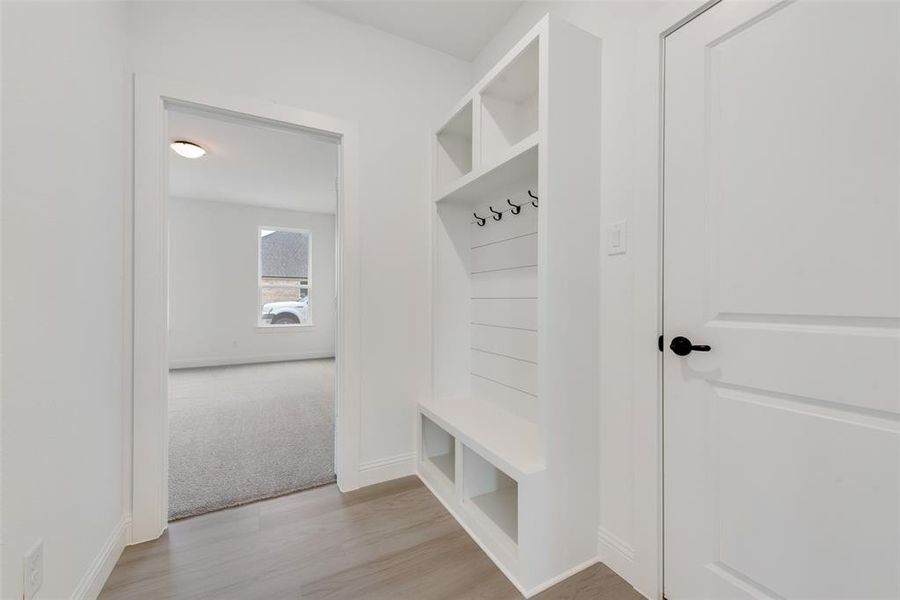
253,163
461,28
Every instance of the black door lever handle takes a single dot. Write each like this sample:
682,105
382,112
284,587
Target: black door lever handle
682,346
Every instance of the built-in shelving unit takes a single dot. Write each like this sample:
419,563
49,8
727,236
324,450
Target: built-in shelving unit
492,493
506,439
453,150
516,162
439,449
509,105
511,442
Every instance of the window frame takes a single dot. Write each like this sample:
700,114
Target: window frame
261,324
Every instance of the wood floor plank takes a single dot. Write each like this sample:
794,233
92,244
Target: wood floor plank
392,541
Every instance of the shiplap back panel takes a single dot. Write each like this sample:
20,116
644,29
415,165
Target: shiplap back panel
517,374
515,343
509,254
507,283
503,264
519,403
505,312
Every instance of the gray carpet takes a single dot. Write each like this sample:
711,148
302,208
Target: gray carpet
248,432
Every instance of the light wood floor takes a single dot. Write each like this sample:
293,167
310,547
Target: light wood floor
392,541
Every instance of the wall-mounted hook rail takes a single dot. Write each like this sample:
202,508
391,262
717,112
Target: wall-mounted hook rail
498,214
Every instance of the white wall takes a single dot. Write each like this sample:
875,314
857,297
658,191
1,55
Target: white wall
213,275
65,94
66,220
394,90
66,155
626,535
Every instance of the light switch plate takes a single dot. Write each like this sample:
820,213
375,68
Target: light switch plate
33,571
617,238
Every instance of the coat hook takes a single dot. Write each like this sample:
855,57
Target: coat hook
516,208
480,220
497,215
533,202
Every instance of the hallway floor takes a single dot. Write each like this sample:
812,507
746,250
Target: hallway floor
392,541
247,432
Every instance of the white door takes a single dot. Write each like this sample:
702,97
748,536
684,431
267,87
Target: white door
782,253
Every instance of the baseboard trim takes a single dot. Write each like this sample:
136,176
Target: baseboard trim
194,363
561,577
616,553
94,579
385,469
614,542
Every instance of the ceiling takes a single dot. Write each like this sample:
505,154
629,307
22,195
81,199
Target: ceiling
461,29
253,163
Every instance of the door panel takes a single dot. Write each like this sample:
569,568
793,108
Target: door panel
799,164
795,476
782,252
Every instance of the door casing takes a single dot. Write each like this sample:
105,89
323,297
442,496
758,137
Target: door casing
643,565
145,492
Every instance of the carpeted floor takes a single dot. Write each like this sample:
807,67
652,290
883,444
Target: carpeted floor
248,432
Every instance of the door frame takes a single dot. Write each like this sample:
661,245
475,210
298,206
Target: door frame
146,426
644,563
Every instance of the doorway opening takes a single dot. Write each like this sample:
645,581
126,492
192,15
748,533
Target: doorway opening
251,316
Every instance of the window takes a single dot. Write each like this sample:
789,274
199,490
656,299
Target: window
284,277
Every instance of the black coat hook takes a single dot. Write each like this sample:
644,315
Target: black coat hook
533,202
516,208
480,220
497,215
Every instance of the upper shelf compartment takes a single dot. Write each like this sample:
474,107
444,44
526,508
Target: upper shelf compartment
492,138
517,163
454,147
509,104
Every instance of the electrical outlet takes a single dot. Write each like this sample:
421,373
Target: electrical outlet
33,571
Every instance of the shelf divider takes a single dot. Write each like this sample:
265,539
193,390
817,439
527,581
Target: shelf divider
516,164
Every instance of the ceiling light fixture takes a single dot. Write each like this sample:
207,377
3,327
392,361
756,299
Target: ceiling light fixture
187,149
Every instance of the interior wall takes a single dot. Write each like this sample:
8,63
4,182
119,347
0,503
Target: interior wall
66,155
623,532
64,75
395,91
213,276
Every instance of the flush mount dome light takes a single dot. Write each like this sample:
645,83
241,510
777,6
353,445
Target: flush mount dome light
187,149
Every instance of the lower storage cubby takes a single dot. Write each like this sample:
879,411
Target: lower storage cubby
492,493
439,449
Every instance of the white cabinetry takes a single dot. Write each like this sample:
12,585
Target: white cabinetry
508,436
